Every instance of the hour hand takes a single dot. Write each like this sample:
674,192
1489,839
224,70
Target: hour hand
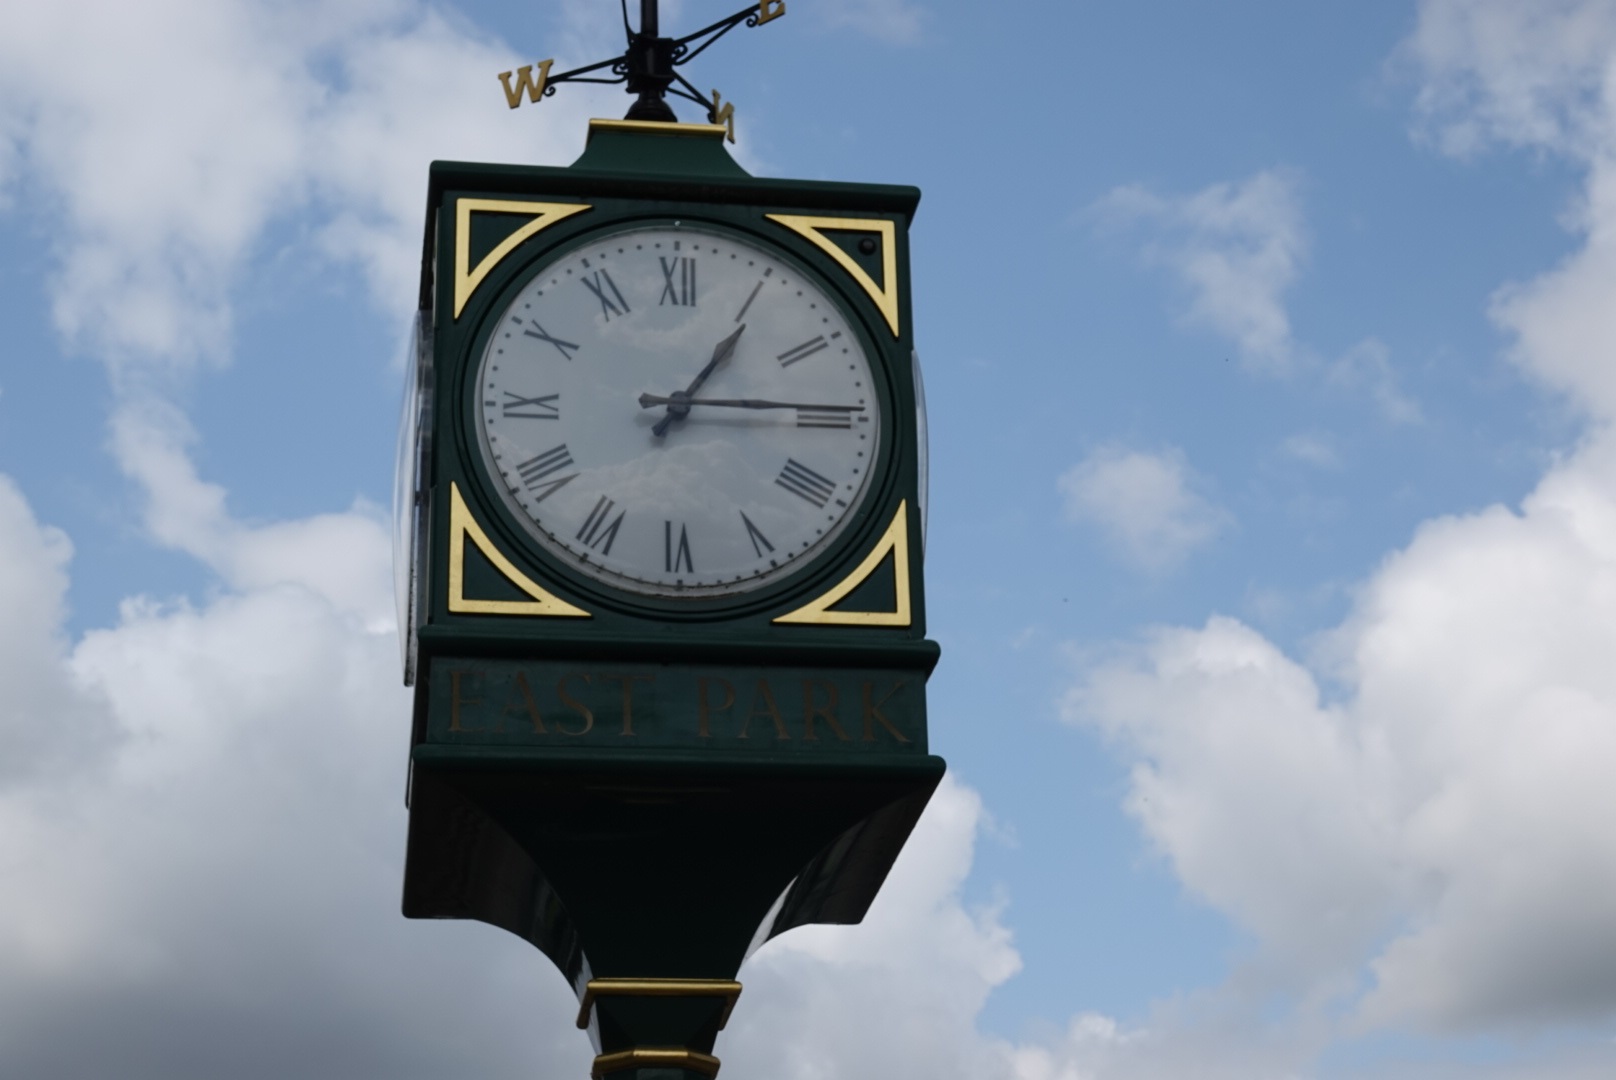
676,404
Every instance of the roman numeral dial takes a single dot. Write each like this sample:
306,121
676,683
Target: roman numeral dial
677,412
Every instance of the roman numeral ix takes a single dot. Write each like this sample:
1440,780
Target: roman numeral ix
802,481
596,531
599,283
675,557
543,407
685,294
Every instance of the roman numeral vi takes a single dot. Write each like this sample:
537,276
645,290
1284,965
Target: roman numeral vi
675,557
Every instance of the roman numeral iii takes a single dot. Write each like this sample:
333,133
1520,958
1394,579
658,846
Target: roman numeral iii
822,418
684,294
803,482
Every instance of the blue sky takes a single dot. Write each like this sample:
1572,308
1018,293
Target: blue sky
1272,540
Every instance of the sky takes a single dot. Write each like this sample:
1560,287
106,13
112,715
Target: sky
1271,549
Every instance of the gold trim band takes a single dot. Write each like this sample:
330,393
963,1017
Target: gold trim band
694,1060
659,127
728,989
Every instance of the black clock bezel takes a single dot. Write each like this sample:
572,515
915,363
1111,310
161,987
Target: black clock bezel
859,529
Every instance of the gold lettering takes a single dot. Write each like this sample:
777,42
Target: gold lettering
574,704
527,705
810,709
704,711
770,10
455,700
770,709
873,714
628,682
525,81
723,115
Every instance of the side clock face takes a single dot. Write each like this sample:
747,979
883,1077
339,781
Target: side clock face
677,412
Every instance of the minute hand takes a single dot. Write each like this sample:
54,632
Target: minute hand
650,401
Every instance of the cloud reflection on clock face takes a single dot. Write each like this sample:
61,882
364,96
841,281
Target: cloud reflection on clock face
729,496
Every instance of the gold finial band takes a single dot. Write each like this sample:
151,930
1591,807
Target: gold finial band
654,1057
728,989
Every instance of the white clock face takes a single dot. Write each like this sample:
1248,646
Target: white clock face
677,412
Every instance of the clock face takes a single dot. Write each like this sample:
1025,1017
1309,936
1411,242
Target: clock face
677,412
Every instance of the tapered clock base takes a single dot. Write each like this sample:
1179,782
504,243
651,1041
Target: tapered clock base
647,881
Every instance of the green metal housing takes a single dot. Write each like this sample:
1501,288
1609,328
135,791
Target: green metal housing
651,791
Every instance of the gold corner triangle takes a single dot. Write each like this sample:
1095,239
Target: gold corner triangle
462,525
468,277
895,541
885,295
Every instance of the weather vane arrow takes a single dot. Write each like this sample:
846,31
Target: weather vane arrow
648,65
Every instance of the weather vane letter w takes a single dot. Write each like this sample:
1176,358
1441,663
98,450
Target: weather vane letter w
525,81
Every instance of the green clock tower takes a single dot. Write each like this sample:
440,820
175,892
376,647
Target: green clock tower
662,492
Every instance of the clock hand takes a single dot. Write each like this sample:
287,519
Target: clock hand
677,409
650,401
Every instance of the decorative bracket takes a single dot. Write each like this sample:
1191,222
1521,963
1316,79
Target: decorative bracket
468,277
463,525
885,295
895,541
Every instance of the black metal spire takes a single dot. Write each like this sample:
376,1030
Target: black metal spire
648,65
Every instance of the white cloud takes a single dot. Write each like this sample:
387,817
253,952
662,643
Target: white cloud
1367,365
896,21
1316,450
197,126
341,557
1414,829
1535,75
51,722
211,885
1236,248
1145,504
901,991
1444,824
1540,76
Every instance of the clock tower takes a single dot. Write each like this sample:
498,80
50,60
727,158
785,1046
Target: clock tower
661,524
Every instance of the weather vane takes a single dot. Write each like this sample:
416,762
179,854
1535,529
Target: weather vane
647,66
